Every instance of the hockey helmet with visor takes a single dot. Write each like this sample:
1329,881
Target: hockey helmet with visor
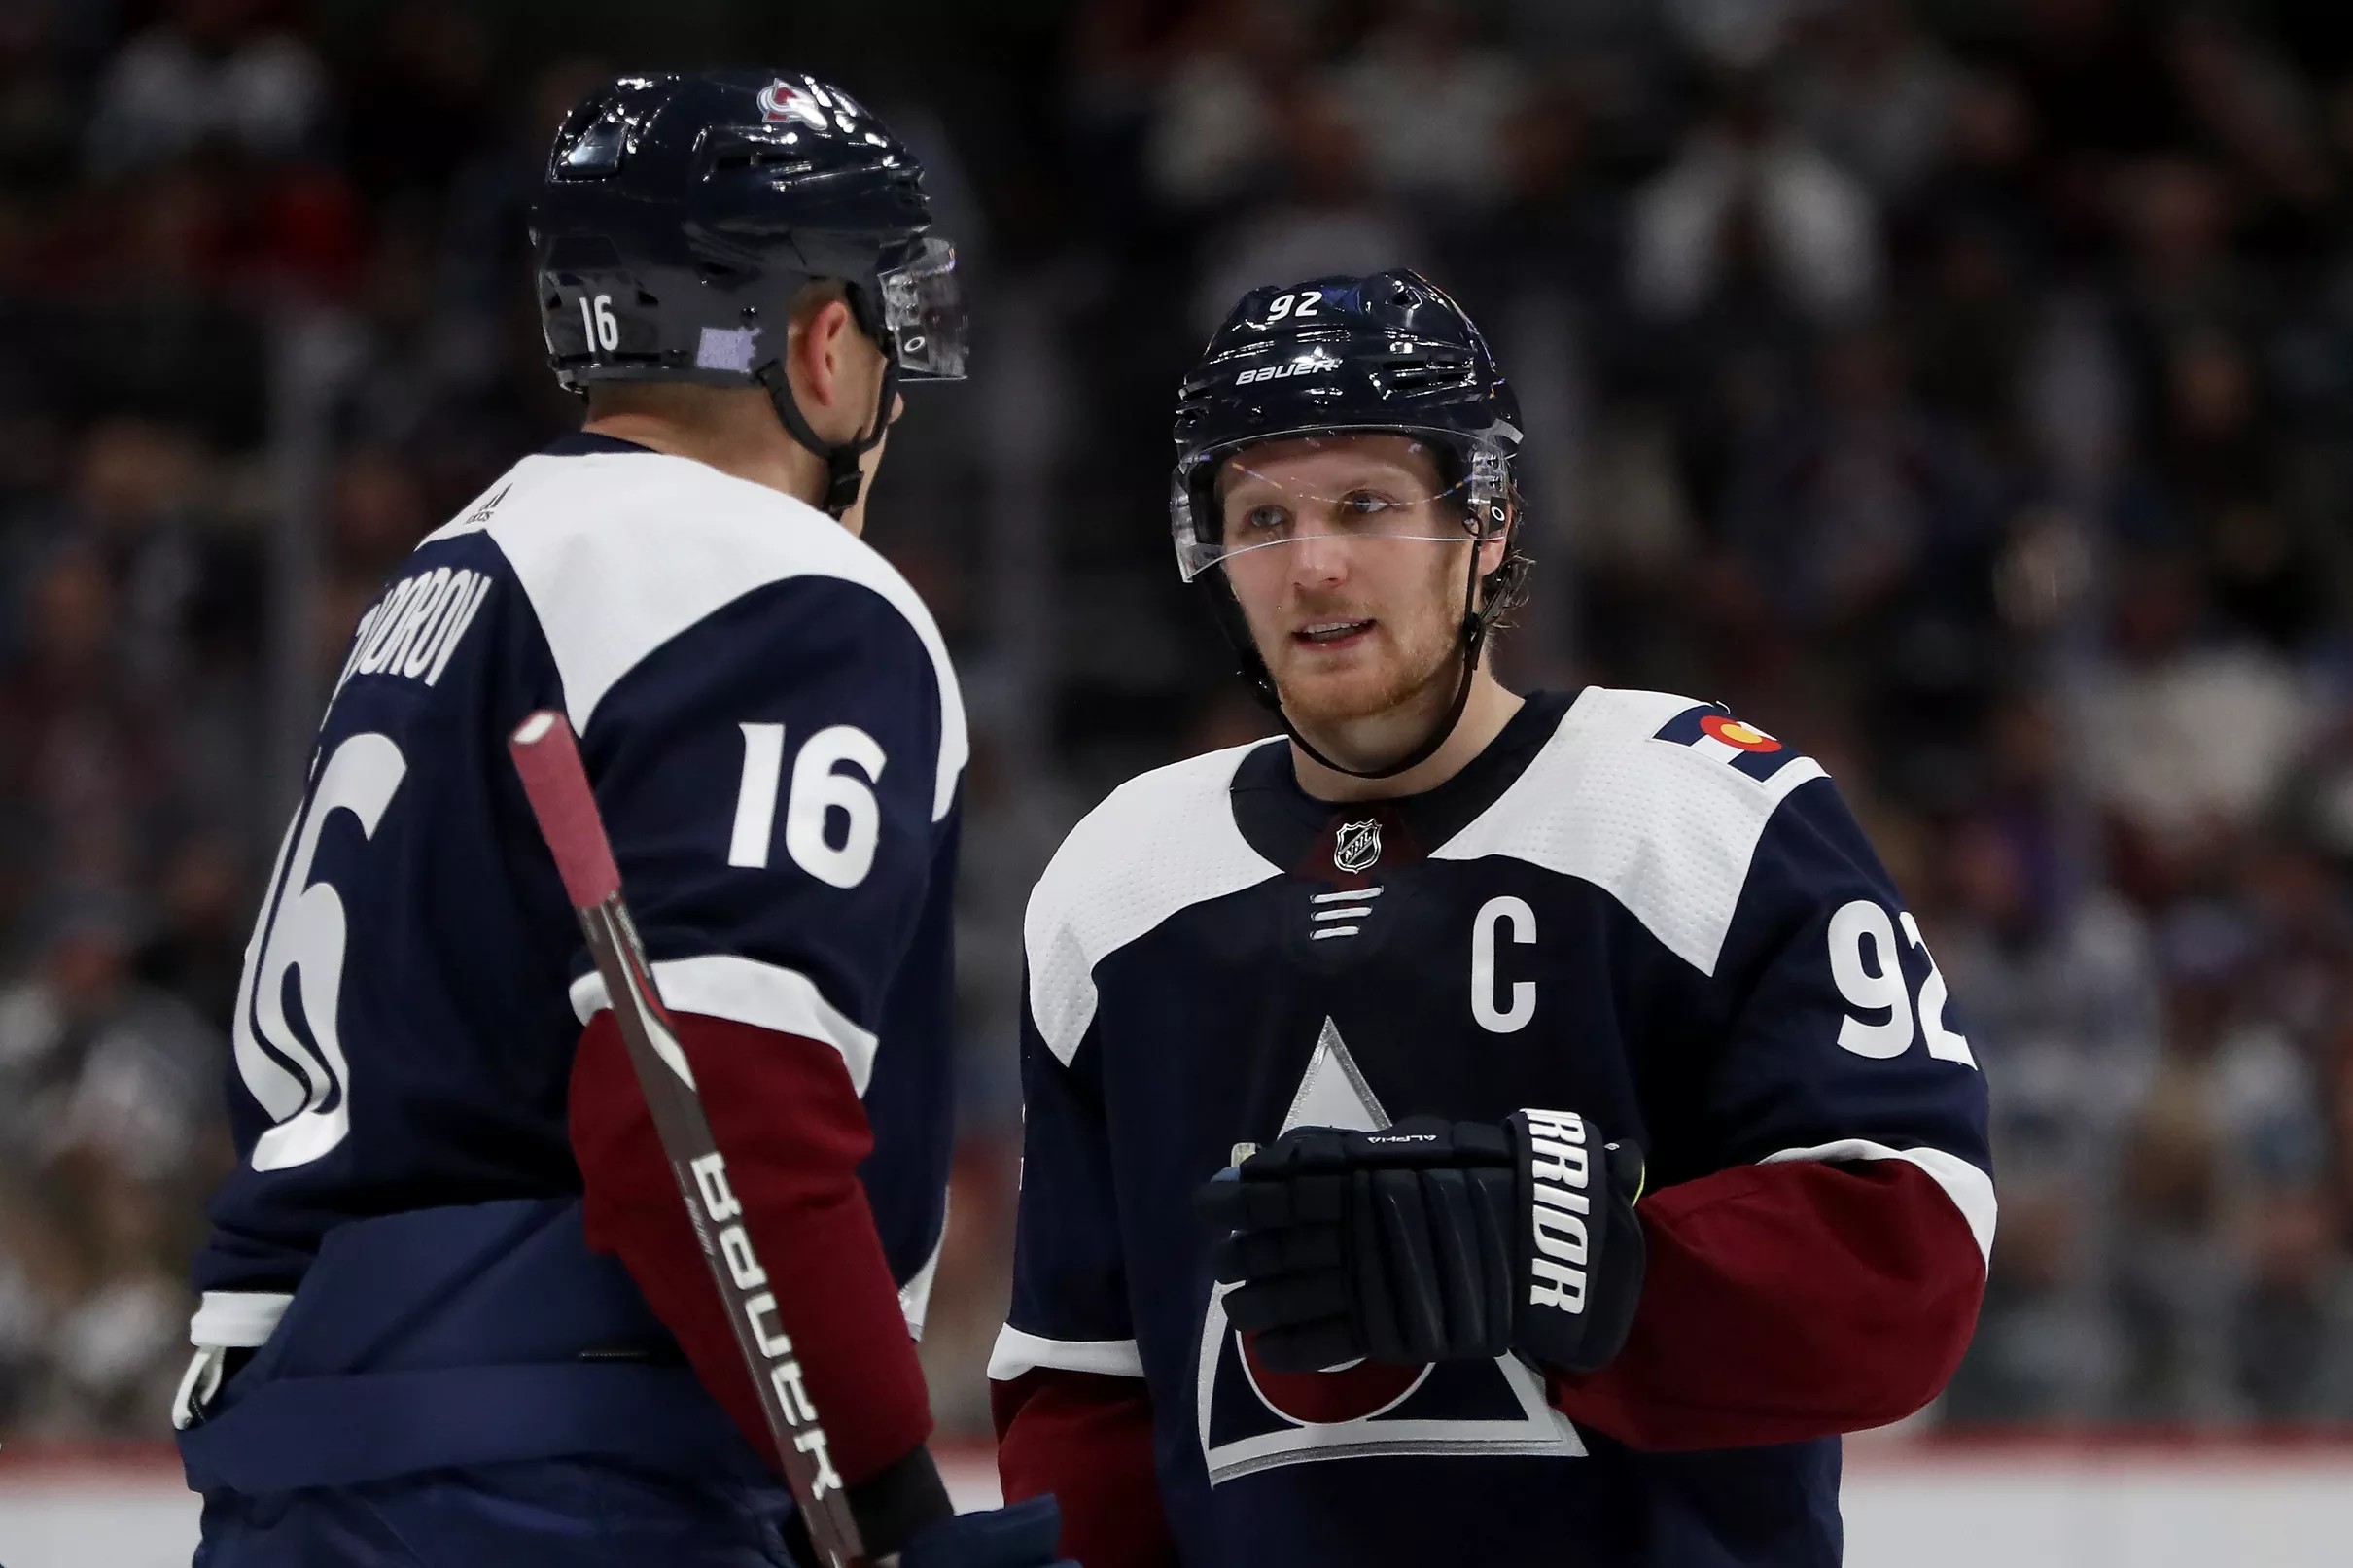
1318,365
680,216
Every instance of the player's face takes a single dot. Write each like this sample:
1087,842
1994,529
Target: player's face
1356,604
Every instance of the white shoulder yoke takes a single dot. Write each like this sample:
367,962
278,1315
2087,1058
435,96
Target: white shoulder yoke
619,552
1667,828
1160,842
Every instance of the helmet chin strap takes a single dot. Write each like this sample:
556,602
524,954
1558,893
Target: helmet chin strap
1471,639
843,476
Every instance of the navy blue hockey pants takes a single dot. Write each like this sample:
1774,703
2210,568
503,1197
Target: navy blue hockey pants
530,1513
472,1387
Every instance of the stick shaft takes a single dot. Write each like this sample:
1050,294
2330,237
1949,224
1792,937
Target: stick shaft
548,757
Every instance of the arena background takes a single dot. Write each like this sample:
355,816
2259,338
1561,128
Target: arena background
1961,390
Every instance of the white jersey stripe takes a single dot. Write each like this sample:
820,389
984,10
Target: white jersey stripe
745,991
915,1296
236,1319
1017,1352
1970,1189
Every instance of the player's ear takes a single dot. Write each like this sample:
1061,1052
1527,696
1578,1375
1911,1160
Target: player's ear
820,350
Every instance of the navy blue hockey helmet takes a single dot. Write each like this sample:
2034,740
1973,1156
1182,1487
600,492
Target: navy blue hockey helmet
1388,352
680,216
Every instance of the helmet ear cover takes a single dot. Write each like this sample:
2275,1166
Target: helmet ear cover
1493,509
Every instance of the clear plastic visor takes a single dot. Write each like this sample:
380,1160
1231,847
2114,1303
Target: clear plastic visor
924,311
1341,489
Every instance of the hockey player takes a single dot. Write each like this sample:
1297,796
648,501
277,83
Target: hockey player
453,1310
1480,1127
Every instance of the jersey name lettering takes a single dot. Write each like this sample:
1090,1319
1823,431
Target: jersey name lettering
414,629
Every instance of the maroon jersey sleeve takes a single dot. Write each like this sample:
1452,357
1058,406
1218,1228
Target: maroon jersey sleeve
1087,1438
1787,1301
784,1112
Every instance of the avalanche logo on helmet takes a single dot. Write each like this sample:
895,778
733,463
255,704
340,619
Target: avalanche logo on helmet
780,101
1252,1417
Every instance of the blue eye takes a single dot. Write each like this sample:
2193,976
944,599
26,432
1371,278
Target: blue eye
1265,519
1364,504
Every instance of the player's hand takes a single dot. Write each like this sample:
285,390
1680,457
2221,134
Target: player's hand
1019,1535
1433,1241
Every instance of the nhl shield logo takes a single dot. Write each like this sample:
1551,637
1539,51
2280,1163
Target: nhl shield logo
1357,845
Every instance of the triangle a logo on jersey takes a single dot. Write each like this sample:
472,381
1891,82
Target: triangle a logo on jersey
1252,1418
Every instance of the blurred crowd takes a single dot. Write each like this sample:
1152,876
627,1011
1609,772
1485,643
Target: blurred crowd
1959,389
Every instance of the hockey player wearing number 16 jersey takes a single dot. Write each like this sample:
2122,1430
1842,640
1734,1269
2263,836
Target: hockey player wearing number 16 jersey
1482,1128
454,1305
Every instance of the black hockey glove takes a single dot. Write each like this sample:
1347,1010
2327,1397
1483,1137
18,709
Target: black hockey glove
1433,1241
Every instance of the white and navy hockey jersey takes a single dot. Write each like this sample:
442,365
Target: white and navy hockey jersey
1632,906
775,740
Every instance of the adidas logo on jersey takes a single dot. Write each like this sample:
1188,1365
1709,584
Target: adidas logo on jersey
1562,1165
482,513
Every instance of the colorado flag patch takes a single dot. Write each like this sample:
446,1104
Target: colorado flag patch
1713,732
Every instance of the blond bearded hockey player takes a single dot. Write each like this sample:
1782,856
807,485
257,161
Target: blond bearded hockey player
1480,1127
454,1307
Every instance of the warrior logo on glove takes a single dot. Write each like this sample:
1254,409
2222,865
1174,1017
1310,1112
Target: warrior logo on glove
1561,1171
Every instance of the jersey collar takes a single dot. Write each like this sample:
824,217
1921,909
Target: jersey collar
1301,834
585,443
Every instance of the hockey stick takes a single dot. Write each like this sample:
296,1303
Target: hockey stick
549,758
